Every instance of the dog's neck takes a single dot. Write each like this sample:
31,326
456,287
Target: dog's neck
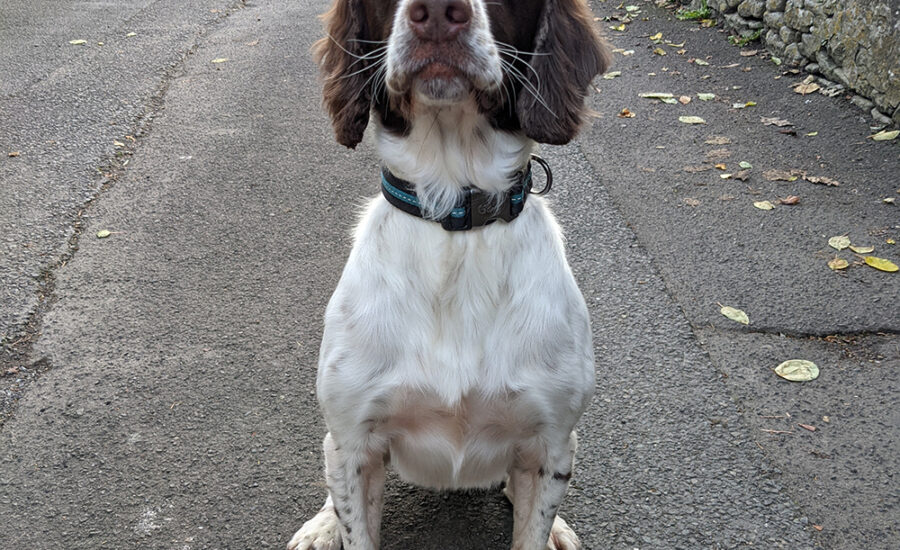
449,148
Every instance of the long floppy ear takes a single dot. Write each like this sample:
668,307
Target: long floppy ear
568,55
345,92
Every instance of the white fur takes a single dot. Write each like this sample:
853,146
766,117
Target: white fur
459,358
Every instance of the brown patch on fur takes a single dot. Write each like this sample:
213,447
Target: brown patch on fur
575,55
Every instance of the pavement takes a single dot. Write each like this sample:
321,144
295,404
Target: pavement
158,383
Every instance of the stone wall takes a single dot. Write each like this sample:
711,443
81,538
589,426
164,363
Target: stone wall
853,44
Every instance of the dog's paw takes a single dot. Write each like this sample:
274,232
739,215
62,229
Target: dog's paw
562,537
319,533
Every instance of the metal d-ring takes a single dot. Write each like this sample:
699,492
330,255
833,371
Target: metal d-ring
547,171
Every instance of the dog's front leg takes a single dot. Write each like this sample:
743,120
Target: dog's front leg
351,516
536,493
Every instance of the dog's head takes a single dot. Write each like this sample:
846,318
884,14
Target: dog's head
526,64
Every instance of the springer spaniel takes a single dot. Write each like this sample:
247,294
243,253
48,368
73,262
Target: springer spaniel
456,350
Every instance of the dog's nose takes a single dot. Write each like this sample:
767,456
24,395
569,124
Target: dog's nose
439,20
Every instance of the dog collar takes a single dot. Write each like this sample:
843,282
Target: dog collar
476,208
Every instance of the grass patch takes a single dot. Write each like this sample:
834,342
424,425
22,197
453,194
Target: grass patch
742,41
694,15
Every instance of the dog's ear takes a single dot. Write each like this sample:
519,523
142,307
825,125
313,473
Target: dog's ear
568,55
339,55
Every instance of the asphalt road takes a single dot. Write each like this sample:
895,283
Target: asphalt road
160,381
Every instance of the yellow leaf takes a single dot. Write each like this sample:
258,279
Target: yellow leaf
659,51
890,241
838,263
620,27
798,370
78,42
720,166
764,205
735,315
701,62
220,60
612,74
881,264
691,120
884,135
839,243
862,249
656,37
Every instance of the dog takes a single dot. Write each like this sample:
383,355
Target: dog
457,347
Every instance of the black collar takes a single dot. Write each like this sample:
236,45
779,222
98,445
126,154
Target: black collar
476,208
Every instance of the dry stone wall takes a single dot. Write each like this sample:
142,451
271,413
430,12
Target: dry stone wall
853,44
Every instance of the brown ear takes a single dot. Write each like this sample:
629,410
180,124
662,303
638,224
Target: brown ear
346,93
568,55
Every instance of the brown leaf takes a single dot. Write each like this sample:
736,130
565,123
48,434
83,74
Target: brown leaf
788,132
13,154
749,53
805,89
822,180
625,114
817,527
691,201
790,199
721,166
743,175
774,121
684,100
718,154
695,169
718,140
807,427
780,175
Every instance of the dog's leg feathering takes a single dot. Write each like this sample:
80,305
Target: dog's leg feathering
351,516
536,494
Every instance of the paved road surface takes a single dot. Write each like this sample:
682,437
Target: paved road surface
161,380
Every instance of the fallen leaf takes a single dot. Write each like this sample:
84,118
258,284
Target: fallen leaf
807,427
838,263
789,200
718,154
881,264
706,97
657,95
775,121
78,42
817,527
721,166
735,315
620,27
862,249
656,37
13,154
219,60
764,205
684,100
812,134
890,241
725,176
780,175
701,62
776,60
103,233
625,114
733,65
788,132
695,169
743,175
797,370
749,53
691,202
691,120
889,200
118,144
726,198
805,89
745,165
718,140
822,180
129,35
659,51
612,74
839,243
884,135
252,43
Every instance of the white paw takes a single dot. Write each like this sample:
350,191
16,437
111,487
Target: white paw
562,537
319,533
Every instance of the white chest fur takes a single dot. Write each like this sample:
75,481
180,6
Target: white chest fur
455,351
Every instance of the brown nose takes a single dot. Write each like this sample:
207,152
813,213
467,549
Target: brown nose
439,20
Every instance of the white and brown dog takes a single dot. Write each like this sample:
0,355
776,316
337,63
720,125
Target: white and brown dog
456,350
